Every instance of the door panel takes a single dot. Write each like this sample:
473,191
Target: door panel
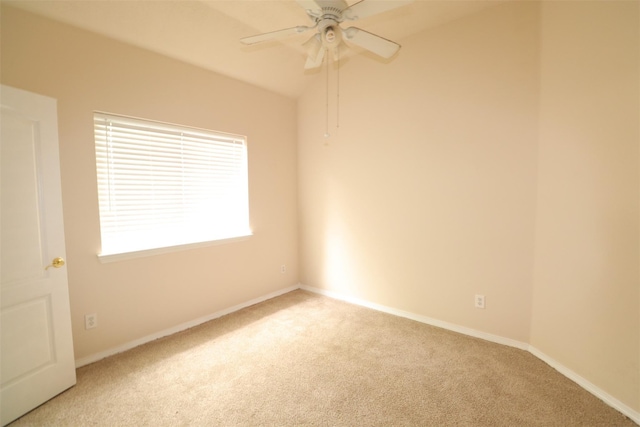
20,220
40,351
37,360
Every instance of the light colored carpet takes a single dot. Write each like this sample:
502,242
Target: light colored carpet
306,360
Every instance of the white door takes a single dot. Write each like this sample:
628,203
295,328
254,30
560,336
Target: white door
36,355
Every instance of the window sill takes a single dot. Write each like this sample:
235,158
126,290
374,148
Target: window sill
107,258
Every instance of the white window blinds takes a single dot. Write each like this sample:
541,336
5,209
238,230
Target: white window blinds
163,185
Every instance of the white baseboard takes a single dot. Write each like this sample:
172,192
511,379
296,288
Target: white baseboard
419,318
585,384
596,391
135,343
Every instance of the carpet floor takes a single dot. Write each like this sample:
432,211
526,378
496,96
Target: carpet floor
306,360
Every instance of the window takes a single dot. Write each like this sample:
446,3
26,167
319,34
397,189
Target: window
162,185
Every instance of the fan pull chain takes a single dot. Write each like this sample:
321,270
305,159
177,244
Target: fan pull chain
338,91
326,133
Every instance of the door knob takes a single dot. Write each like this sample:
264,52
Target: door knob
56,263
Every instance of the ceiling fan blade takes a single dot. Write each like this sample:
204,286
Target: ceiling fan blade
365,8
375,44
275,35
315,51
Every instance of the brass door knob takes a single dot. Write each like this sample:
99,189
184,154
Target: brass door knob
56,263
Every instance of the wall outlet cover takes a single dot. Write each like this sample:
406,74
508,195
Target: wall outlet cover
90,321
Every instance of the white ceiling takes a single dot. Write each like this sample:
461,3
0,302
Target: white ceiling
206,33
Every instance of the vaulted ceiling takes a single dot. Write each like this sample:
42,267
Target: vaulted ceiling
206,33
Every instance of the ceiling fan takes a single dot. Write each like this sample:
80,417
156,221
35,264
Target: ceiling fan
327,15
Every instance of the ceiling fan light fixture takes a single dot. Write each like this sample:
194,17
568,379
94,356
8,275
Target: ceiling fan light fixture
332,37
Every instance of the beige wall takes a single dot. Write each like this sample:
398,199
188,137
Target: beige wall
425,195
138,297
497,155
586,282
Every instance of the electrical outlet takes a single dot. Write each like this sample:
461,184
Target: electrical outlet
479,301
283,269
90,321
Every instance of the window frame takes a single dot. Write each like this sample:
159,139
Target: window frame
240,229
